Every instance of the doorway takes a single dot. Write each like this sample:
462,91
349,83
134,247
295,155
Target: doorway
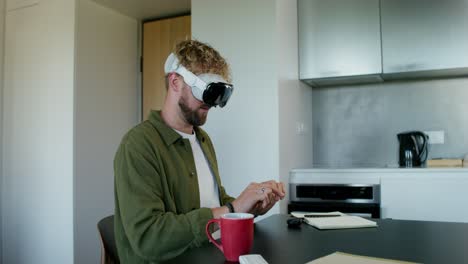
159,39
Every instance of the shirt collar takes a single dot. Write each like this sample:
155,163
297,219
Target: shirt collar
167,133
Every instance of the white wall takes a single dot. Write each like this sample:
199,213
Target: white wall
106,106
38,134
245,132
295,98
2,33
254,135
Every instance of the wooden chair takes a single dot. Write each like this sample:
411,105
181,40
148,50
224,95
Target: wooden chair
108,247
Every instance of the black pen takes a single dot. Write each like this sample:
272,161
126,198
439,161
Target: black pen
328,215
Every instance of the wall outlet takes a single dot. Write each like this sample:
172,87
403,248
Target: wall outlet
436,137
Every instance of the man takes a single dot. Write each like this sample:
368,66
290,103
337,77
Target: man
167,184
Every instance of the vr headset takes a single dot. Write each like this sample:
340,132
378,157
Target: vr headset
209,88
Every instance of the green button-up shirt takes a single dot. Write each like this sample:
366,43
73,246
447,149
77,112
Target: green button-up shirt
157,199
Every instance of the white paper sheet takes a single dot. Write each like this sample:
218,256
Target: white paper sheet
342,221
341,258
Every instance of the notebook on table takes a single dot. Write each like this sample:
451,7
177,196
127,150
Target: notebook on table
340,257
334,220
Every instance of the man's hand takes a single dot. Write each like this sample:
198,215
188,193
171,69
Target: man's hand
258,198
275,186
258,208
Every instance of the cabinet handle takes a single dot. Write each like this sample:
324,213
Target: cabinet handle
329,73
407,67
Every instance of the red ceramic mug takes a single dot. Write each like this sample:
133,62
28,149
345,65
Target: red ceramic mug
236,234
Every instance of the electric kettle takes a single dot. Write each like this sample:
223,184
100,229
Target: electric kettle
413,148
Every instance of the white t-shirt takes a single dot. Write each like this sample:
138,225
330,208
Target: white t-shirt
209,196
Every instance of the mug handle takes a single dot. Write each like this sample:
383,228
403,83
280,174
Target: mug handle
212,240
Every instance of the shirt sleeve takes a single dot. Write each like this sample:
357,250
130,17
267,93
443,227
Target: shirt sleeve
153,233
224,197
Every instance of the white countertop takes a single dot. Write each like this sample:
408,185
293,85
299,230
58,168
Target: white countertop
430,194
380,170
372,175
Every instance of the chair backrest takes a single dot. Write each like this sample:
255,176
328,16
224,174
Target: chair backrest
108,247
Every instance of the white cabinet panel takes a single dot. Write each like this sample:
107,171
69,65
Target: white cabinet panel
17,4
424,35
339,39
425,197
429,194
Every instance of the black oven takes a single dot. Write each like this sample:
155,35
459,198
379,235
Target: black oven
354,199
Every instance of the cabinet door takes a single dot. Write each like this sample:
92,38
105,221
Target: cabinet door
425,197
424,35
159,39
339,38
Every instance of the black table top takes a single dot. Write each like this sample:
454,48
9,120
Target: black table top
417,241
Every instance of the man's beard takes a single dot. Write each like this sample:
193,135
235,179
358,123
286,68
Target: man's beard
191,116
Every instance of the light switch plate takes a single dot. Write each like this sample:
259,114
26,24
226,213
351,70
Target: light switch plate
436,137
301,128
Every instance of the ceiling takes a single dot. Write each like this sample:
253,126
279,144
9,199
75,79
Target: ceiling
148,9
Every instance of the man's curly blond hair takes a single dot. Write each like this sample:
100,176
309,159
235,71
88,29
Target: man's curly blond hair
199,57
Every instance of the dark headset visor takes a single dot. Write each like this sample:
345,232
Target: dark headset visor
217,93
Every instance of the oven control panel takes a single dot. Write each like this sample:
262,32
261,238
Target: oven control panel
353,193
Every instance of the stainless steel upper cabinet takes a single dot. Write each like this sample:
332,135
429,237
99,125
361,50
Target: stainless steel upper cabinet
339,41
425,37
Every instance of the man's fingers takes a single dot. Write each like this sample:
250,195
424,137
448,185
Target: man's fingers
266,193
282,188
276,187
268,206
266,201
278,192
